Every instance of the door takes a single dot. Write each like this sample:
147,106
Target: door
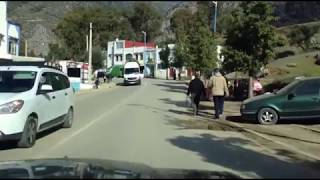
304,100
59,92
45,101
67,92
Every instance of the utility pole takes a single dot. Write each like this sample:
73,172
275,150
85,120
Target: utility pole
215,16
90,55
144,54
87,43
26,48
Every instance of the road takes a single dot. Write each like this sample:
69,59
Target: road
137,124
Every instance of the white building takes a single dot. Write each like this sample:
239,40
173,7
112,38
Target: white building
9,34
3,30
13,38
119,51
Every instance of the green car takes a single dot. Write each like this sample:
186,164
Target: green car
115,71
298,100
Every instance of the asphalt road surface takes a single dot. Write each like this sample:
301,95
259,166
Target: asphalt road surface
137,124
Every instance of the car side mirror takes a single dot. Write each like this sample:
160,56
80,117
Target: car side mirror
45,88
291,96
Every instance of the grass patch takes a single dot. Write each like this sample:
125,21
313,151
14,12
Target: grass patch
299,65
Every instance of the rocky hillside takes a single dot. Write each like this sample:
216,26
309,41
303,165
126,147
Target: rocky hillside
39,18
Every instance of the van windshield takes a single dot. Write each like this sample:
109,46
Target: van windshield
131,70
16,81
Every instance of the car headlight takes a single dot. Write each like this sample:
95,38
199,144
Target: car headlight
11,107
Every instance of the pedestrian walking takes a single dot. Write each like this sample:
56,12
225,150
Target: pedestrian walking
219,90
97,83
195,88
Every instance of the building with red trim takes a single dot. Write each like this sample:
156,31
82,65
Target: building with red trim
119,51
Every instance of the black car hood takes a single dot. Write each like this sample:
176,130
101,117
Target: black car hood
98,169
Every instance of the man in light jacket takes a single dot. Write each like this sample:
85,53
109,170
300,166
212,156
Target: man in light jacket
219,90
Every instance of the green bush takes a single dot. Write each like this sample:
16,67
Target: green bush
284,54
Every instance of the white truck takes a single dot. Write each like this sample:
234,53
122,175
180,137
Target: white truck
131,73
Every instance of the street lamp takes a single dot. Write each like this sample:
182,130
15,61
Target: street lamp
215,16
144,53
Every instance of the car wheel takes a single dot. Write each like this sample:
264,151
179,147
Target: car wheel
268,116
29,134
68,119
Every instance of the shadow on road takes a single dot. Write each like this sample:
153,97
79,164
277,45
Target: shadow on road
231,153
181,112
173,87
120,84
239,119
7,145
177,103
300,121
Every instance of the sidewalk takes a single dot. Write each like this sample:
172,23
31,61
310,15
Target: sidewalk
231,108
102,86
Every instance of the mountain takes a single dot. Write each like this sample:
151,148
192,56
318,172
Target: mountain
38,18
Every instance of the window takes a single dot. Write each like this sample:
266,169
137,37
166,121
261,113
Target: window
131,70
16,81
310,87
57,83
74,72
13,47
119,45
65,81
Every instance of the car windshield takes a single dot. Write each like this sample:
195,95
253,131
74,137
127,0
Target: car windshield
16,81
131,70
288,87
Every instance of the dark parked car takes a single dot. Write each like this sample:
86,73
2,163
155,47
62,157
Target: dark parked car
299,99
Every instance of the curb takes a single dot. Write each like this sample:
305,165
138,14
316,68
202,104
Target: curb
272,140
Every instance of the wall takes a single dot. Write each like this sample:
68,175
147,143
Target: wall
3,29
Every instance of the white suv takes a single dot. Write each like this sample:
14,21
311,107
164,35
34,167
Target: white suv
33,99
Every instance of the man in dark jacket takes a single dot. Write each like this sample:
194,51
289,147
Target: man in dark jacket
196,87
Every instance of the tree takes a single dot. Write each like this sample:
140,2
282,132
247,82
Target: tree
180,22
164,56
195,43
108,24
251,41
145,18
57,53
301,36
97,58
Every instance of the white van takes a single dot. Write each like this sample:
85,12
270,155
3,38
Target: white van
33,99
131,73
